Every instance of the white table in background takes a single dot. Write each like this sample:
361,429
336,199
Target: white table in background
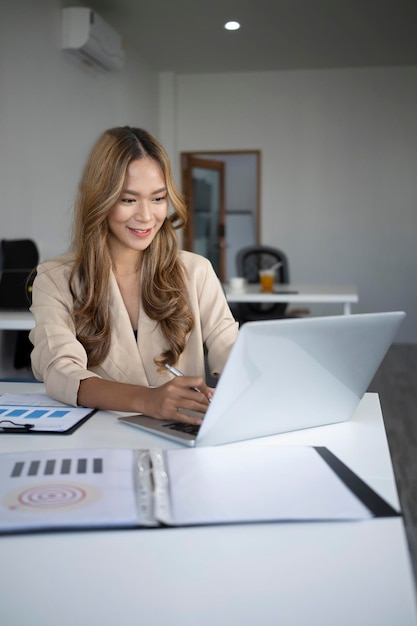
346,295
315,574
294,294
16,320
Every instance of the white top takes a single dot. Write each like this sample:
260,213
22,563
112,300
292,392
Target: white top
292,574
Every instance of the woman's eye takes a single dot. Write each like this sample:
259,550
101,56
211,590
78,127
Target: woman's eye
159,199
128,200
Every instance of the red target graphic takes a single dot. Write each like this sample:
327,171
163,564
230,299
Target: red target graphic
52,496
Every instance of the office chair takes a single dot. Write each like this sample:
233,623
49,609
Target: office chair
249,261
18,261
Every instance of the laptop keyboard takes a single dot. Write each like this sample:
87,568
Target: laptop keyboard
190,429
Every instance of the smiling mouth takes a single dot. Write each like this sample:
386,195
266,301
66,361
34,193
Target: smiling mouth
140,231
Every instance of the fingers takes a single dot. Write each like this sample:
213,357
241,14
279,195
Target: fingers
189,394
191,389
187,419
179,400
196,384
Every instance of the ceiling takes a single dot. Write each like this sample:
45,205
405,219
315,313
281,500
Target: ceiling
187,36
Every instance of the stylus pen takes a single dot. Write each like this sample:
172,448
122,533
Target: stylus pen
177,372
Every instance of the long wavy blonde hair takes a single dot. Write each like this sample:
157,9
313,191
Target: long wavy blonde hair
163,287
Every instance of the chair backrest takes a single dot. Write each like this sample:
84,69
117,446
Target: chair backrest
249,261
18,261
18,254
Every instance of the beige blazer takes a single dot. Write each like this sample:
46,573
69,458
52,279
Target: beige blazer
60,360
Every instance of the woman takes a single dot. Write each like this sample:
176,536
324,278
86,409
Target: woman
125,302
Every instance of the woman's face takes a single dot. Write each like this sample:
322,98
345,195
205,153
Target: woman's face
141,209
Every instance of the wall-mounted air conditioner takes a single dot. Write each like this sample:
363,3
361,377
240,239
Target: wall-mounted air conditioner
87,35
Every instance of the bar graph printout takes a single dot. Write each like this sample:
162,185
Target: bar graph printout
38,413
67,489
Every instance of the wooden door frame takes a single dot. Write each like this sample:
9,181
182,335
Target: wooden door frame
257,153
188,161
187,186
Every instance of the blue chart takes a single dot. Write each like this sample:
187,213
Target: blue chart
38,413
32,414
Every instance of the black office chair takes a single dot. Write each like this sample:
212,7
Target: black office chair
249,261
18,261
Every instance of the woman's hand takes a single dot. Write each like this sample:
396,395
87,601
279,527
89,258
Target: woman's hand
171,400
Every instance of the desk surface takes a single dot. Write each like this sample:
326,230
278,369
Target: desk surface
291,574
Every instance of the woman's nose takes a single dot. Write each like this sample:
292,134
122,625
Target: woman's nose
143,212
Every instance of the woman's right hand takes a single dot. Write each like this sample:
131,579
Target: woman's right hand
169,401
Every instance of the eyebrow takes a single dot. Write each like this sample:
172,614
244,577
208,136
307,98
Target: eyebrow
135,193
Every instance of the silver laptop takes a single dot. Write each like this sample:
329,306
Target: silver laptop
284,375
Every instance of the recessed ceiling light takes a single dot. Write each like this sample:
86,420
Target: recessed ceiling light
232,25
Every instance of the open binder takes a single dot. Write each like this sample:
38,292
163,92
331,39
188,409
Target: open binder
106,488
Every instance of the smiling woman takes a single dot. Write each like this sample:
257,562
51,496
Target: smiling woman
125,302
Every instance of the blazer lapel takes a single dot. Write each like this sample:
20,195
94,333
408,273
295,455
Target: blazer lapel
151,344
128,360
123,362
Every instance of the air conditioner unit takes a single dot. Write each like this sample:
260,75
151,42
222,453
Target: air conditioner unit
88,36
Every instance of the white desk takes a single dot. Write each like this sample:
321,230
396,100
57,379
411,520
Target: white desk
16,320
315,574
297,294
300,294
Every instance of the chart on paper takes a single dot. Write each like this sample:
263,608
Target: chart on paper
38,412
67,488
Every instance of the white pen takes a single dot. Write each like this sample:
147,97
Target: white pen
177,372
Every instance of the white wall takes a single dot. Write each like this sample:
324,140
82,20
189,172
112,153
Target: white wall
52,109
339,179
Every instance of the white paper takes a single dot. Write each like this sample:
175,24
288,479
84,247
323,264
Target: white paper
226,484
36,399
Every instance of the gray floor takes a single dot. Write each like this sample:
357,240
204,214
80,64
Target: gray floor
396,384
